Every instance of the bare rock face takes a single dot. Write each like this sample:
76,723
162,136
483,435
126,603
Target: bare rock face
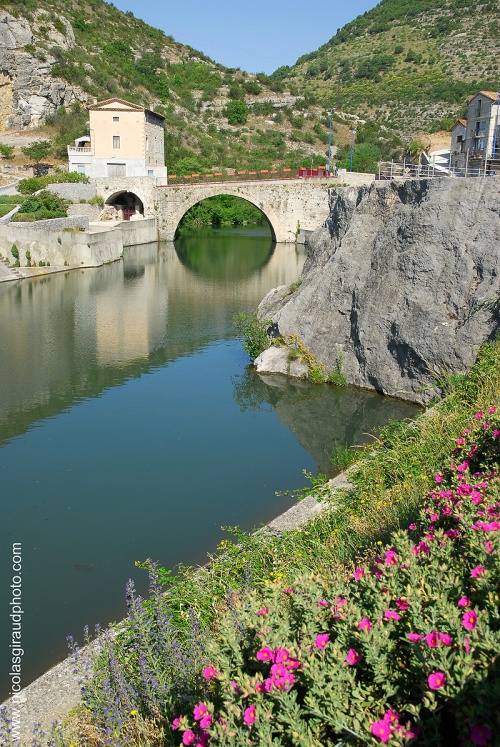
28,93
401,282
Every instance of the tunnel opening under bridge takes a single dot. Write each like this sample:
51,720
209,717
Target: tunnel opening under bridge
223,211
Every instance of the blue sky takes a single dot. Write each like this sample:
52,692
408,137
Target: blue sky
259,38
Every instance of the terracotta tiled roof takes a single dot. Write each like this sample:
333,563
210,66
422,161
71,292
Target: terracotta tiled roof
490,94
462,122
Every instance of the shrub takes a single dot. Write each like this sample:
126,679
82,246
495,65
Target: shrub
15,251
379,656
97,200
236,112
6,151
33,184
254,331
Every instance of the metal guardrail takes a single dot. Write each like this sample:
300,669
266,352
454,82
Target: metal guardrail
388,170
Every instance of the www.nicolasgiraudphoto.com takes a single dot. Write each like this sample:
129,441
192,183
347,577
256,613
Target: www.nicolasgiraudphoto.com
17,652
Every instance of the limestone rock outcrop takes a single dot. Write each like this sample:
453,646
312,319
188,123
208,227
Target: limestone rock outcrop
401,282
28,92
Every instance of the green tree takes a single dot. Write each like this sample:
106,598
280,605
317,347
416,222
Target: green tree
236,112
6,151
37,151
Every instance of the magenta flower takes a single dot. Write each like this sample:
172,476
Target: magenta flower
210,673
467,644
475,497
432,639
359,573
176,723
463,467
478,571
259,687
206,721
478,415
445,639
321,640
199,711
264,611
278,670
464,602
188,737
290,590
469,620
265,654
391,717
402,604
382,730
496,434
434,517
460,441
438,477
480,734
352,657
412,526
414,637
392,615
365,624
281,655
292,664
269,684
492,410
250,715
391,558
436,680
488,546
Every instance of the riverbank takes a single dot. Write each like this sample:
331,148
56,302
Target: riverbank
388,487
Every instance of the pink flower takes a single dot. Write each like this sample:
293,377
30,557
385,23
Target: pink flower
206,721
445,639
352,657
488,546
496,434
480,734
250,715
469,619
290,590
464,602
365,624
322,603
392,615
432,639
382,730
492,410
281,655
278,670
264,611
463,467
434,517
199,711
412,526
359,573
478,415
210,673
438,477
321,640
475,497
402,604
269,684
203,739
391,717
265,654
478,571
188,737
176,723
436,680
414,637
460,441
467,644
391,558
259,687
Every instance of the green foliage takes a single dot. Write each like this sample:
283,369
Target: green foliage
365,158
28,186
69,125
336,377
14,251
97,200
41,206
222,210
254,332
236,112
6,151
341,457
37,151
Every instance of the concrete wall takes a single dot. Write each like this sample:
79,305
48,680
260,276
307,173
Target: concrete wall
48,243
75,192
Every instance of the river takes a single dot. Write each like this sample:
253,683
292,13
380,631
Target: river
131,425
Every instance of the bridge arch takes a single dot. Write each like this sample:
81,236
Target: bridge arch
182,199
224,193
129,203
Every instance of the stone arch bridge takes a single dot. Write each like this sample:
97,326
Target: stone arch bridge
288,205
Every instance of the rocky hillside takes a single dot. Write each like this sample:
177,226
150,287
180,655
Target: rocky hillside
409,64
403,67
400,286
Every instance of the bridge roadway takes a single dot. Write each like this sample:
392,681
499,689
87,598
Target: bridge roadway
289,205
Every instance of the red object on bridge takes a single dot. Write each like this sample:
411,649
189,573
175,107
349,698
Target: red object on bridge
321,171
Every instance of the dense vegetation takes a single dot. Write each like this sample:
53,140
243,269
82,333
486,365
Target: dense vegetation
42,206
223,210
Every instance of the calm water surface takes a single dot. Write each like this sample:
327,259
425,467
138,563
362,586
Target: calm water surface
132,427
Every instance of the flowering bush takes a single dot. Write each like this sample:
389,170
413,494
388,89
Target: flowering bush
404,651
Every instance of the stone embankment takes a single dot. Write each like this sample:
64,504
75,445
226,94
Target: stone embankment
401,284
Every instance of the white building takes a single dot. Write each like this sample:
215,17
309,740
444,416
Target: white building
125,140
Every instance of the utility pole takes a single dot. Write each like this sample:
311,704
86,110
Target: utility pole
330,139
353,138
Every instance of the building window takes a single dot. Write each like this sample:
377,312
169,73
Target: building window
80,167
150,172
116,142
116,119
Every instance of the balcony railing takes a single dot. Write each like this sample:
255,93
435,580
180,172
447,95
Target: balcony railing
72,149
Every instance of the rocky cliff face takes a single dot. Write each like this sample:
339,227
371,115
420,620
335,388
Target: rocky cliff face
402,282
28,93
